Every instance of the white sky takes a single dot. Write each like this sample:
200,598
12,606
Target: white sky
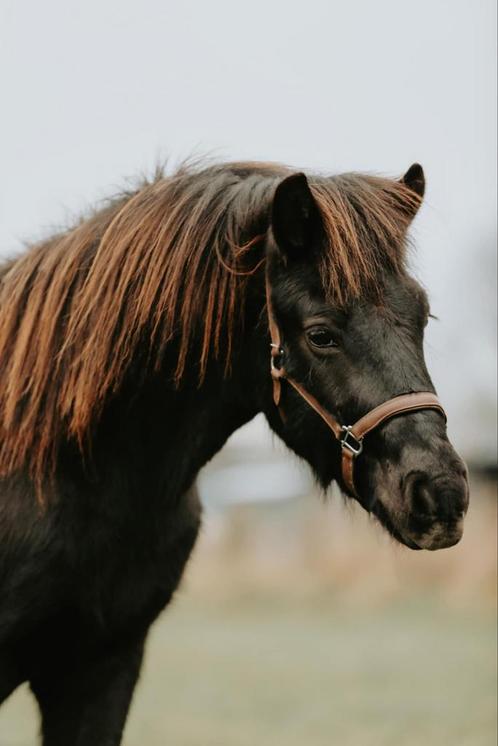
94,92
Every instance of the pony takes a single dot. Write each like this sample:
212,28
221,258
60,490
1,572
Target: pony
134,343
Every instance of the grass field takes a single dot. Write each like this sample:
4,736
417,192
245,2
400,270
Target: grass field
299,625
293,675
275,674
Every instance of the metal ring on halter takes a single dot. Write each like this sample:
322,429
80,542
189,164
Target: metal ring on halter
277,352
356,447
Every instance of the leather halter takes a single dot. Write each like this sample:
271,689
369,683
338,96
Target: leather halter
350,437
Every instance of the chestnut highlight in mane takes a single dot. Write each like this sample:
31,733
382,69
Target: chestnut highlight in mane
168,263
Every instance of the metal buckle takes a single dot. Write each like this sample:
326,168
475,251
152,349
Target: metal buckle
356,446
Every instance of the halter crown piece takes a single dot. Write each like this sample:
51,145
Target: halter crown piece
350,437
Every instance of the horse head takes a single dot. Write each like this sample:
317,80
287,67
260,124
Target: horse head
350,323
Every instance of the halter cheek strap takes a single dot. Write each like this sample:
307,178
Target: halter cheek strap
350,437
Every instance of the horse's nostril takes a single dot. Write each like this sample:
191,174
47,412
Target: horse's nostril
444,500
418,495
422,502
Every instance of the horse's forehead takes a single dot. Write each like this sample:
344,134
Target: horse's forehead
401,293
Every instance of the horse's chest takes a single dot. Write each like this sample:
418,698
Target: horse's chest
133,581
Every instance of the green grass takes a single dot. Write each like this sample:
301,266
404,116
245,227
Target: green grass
263,672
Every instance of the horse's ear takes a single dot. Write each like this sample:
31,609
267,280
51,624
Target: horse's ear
414,179
296,221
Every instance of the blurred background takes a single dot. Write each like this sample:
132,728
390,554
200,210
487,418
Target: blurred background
298,621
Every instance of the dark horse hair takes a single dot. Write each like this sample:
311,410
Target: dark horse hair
170,260
135,343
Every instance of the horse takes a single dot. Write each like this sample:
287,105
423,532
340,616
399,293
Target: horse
134,343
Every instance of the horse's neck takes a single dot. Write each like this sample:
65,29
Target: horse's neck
156,439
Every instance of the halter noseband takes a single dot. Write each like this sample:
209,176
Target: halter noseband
350,437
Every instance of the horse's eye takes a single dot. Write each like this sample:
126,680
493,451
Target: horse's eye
320,336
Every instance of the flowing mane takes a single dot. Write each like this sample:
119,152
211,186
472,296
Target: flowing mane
168,262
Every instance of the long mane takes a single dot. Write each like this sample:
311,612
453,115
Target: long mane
164,264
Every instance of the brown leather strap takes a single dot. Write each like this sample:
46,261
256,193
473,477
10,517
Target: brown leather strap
392,407
276,348
349,436
324,413
347,467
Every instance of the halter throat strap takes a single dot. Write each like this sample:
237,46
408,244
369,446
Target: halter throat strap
350,437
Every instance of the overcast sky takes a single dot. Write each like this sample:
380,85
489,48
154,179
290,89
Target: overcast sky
94,92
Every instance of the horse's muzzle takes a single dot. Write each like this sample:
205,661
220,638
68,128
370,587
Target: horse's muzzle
437,510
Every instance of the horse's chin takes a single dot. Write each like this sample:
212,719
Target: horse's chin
384,518
375,507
